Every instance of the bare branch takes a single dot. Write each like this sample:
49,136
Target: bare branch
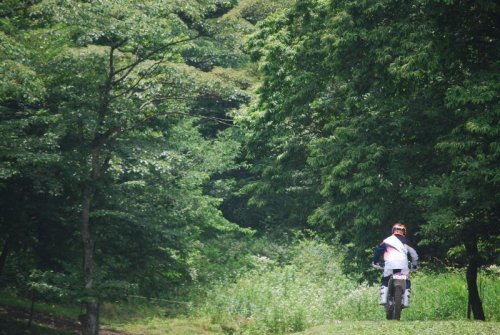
228,122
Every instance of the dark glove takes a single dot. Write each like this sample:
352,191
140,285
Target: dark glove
414,267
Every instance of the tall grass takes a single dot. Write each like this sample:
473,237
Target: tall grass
443,296
312,290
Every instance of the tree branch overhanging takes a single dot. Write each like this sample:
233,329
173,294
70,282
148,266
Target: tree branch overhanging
148,72
114,132
129,68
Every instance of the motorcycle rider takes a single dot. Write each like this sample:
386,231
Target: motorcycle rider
395,249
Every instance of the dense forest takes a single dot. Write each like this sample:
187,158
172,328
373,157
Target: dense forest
163,149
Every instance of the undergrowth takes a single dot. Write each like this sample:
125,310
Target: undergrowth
312,290
305,290
65,310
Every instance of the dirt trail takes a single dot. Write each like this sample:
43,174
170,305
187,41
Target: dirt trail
49,320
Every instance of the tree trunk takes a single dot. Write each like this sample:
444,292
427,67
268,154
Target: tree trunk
474,303
5,253
90,319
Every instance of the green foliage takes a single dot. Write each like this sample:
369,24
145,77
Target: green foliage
255,11
310,289
167,212
103,97
143,114
302,290
47,285
383,116
222,261
272,298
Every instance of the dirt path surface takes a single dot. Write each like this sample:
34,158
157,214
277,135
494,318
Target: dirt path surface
49,320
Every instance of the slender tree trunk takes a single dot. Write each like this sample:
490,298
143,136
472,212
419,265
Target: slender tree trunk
89,319
5,253
88,243
474,302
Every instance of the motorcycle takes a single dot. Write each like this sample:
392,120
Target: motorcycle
397,287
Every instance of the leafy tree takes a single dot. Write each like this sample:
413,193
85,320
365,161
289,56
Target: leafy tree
115,94
462,203
398,105
27,149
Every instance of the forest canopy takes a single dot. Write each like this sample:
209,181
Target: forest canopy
145,138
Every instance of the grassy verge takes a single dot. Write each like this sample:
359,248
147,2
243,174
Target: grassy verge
131,318
151,320
11,327
309,294
406,328
171,326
